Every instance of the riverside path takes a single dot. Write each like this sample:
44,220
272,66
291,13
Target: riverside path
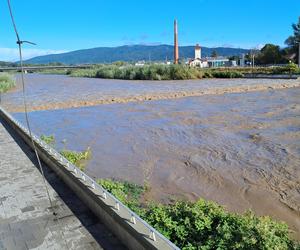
26,218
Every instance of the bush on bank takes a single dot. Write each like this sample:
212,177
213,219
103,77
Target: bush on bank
6,82
121,70
147,72
204,224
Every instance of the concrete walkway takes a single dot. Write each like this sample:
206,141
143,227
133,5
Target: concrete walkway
26,219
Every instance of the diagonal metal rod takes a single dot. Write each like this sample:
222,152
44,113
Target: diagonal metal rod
20,42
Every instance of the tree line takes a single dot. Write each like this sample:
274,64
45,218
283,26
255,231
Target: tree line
273,54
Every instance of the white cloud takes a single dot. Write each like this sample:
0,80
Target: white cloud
12,54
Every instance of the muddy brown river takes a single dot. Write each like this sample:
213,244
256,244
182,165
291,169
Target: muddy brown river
239,149
46,92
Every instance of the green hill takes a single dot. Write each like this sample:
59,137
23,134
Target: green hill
7,64
129,53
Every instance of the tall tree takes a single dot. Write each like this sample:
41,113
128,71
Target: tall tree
270,54
293,41
214,54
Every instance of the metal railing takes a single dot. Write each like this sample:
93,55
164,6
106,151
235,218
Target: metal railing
121,209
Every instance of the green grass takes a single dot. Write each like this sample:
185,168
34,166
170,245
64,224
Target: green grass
6,82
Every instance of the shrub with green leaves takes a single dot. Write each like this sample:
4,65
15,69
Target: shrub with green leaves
128,193
292,68
49,139
227,74
6,82
204,224
147,72
77,158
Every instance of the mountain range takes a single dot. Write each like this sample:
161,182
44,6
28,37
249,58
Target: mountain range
130,53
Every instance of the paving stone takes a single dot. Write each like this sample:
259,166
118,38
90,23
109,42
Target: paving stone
26,222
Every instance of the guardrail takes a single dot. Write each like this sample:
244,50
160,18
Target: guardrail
146,236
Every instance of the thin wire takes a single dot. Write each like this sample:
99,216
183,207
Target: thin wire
19,42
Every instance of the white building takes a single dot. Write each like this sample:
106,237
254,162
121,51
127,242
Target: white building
211,62
198,61
219,61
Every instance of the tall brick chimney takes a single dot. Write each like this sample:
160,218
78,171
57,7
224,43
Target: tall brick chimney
176,53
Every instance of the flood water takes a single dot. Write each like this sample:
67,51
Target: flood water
239,149
46,92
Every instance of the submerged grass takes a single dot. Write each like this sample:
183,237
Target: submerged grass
6,82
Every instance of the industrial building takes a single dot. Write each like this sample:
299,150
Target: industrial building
211,62
198,61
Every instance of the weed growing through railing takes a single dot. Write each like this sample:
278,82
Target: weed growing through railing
50,140
79,159
127,192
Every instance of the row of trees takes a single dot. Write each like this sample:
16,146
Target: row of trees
273,54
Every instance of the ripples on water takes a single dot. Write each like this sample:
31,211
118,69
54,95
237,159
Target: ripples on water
58,91
241,150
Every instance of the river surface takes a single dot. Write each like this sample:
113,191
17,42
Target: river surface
239,149
46,92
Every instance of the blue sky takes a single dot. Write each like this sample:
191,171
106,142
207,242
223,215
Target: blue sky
65,25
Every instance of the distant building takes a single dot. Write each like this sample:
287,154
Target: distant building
211,62
198,61
219,61
140,63
242,61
